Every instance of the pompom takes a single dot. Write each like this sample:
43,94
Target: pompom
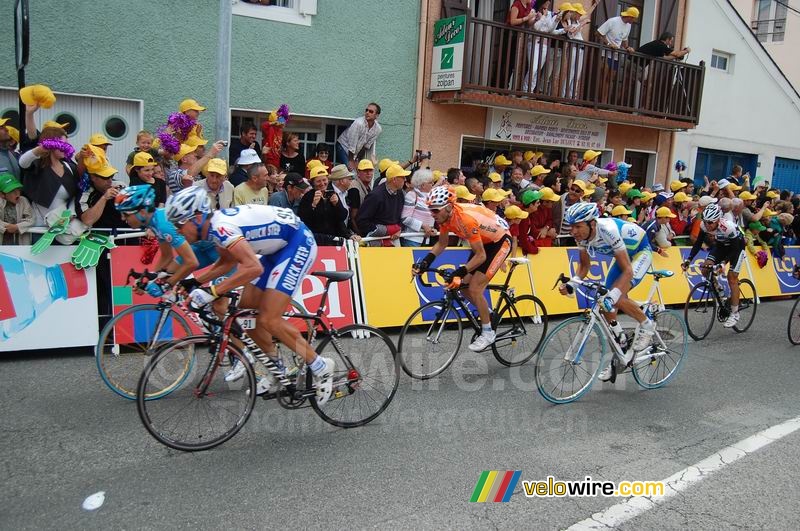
180,125
680,166
611,166
622,171
56,144
761,258
169,143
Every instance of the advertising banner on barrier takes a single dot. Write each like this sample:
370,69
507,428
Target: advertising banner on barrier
44,301
340,299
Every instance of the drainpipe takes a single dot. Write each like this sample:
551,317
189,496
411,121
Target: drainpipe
222,124
422,48
672,136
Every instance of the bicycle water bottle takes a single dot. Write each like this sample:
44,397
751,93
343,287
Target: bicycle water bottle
27,289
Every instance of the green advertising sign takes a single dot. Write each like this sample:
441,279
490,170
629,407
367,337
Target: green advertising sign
448,53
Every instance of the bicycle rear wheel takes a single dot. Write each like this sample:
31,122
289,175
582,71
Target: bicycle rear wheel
130,339
518,333
204,410
430,339
670,346
793,328
569,360
365,379
700,311
748,304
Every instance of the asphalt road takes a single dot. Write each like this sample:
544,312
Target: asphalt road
65,436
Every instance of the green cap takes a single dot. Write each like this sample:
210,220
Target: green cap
633,193
529,196
8,183
757,225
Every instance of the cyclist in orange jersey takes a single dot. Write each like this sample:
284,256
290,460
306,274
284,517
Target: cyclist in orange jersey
490,241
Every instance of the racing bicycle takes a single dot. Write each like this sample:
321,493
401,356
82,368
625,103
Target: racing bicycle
708,299
574,353
432,336
204,410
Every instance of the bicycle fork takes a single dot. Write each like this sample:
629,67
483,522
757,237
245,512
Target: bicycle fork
576,349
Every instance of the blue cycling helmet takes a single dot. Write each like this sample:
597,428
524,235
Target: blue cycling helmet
580,212
185,203
134,198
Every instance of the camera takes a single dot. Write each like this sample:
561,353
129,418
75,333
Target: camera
422,155
224,142
328,193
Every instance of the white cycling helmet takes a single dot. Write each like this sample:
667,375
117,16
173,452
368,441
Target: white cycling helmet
712,213
440,197
185,203
580,212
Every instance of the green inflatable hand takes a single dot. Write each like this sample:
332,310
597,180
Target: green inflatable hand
89,249
59,227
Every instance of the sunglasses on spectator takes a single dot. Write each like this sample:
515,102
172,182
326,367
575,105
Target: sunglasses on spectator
576,190
371,111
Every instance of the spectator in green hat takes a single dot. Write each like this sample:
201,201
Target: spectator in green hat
16,210
753,238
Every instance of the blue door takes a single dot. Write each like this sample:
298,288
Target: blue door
718,164
786,174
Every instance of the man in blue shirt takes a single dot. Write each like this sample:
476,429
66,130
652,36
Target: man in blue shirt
294,187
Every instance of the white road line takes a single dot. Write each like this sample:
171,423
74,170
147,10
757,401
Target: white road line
633,507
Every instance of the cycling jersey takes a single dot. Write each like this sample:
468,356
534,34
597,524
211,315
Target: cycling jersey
474,223
727,234
613,235
266,228
286,246
164,230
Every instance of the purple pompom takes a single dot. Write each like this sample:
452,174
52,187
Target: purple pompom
169,143
54,144
611,166
283,110
180,124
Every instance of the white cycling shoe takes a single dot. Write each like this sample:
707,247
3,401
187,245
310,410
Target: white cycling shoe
323,381
731,321
483,341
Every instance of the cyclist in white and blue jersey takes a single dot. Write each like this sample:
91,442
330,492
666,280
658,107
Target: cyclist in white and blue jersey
137,206
272,251
628,244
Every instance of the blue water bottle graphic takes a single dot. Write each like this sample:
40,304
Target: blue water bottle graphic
27,289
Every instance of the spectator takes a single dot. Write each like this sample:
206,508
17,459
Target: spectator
192,109
621,212
521,15
274,179
291,158
455,177
381,212
323,154
341,181
247,140
545,229
322,211
219,190
142,171
575,193
358,141
737,209
663,48
502,166
682,211
736,174
50,180
614,34
363,185
311,164
416,216
187,166
254,190
474,186
495,181
493,199
383,165
753,238
144,144
16,212
247,158
518,182
96,205
587,168
8,158
545,22
538,173
463,195
294,187
526,234
515,217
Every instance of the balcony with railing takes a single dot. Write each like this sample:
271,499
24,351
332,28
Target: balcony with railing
504,65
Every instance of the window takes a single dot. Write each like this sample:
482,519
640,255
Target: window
116,128
288,11
721,60
71,122
770,22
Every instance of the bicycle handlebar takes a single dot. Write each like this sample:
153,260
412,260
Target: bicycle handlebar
594,286
446,274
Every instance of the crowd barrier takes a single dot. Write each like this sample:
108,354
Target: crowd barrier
45,303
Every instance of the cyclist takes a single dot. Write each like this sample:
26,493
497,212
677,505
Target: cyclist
728,246
272,251
489,240
628,244
137,206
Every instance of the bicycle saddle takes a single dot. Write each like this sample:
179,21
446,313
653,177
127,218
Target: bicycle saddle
661,273
518,260
334,276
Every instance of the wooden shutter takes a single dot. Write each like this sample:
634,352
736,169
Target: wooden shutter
667,17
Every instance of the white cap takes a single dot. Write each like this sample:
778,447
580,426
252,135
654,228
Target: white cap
247,157
723,183
707,200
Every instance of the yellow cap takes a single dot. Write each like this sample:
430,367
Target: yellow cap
566,6
591,155
51,123
680,197
195,140
677,185
619,210
142,159
217,166
538,170
548,194
772,194
463,193
747,196
515,212
13,132
769,213
190,105
501,160
395,170
493,194
495,177
365,164
665,212
630,12
313,163
384,164
99,139
185,150
318,171
97,163
624,187
529,155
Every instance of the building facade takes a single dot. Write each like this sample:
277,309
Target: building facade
504,104
750,114
120,67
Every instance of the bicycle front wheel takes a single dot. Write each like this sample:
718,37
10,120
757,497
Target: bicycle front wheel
670,345
518,332
430,339
793,327
365,378
569,360
204,410
700,311
130,339
748,303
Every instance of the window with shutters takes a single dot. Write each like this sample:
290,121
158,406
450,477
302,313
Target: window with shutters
770,20
288,11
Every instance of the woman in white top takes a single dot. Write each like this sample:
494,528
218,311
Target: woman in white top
546,22
416,215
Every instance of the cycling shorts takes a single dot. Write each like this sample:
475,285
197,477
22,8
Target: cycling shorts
285,269
732,252
640,263
496,254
